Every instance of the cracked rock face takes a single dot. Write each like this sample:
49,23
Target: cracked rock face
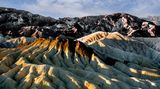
68,64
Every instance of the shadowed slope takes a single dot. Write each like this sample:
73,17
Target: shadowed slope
67,64
122,48
58,63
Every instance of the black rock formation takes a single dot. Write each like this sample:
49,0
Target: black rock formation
12,20
17,23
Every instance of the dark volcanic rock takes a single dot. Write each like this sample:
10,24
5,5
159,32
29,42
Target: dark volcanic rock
22,23
11,20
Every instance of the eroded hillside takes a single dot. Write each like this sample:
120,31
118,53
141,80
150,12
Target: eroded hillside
66,64
117,51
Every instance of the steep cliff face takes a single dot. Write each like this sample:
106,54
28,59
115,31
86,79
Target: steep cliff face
67,64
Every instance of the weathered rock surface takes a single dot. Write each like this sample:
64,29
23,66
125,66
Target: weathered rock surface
17,23
66,64
12,20
116,46
92,52
8,42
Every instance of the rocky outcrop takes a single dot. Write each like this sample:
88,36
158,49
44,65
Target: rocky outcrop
17,23
68,64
